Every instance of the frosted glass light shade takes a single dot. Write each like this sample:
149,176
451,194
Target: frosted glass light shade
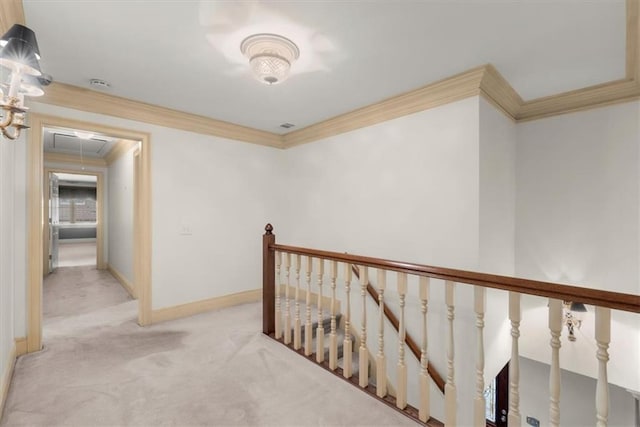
270,69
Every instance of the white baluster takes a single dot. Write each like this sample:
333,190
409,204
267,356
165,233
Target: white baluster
320,328
479,407
514,365
333,338
381,363
424,411
603,337
297,342
401,392
364,354
278,290
307,326
287,313
555,327
347,344
450,392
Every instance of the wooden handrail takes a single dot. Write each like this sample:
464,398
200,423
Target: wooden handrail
411,343
614,300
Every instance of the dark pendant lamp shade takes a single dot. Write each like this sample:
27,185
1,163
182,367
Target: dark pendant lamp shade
18,55
23,33
578,307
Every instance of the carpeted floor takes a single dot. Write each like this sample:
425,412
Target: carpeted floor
99,367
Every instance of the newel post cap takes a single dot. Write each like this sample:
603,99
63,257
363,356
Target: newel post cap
268,229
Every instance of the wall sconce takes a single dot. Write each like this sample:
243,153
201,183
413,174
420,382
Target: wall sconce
573,316
19,54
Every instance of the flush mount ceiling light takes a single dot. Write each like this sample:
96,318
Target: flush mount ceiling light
270,56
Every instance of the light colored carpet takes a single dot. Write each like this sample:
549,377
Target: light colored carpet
75,254
100,368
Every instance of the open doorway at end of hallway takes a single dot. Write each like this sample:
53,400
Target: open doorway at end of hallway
72,220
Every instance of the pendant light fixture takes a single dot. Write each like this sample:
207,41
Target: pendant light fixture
270,56
20,54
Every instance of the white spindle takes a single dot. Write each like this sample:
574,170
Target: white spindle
333,338
450,393
555,328
364,355
287,312
278,290
307,325
479,408
424,411
514,365
297,324
603,337
320,328
401,392
381,363
347,344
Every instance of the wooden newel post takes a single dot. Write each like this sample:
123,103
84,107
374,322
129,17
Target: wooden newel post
268,281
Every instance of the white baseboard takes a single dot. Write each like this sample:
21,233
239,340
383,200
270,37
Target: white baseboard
126,284
5,378
197,307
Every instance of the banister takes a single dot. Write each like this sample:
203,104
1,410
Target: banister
411,343
614,300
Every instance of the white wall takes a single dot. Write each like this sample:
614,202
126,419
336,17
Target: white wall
576,401
120,229
221,189
577,205
497,227
20,237
7,256
404,189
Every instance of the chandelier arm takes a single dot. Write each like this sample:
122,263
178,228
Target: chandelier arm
7,120
11,136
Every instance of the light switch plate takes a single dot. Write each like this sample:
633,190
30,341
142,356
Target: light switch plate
533,422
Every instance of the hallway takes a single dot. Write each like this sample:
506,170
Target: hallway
98,367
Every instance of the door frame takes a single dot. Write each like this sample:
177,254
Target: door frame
35,218
100,264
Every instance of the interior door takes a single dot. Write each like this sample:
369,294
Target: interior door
54,221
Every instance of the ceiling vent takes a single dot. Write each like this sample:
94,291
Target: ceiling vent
100,84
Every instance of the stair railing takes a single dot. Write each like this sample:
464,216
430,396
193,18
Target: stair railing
604,302
411,342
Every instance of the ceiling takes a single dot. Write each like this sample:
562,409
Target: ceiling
185,55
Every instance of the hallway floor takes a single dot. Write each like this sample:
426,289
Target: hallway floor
76,254
99,367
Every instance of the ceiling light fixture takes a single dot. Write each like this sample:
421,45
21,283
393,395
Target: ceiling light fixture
20,54
573,316
83,135
270,56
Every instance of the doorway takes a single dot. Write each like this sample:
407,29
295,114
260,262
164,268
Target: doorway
74,219
38,214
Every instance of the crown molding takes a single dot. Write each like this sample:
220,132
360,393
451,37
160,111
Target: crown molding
496,89
69,96
75,160
582,99
455,88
